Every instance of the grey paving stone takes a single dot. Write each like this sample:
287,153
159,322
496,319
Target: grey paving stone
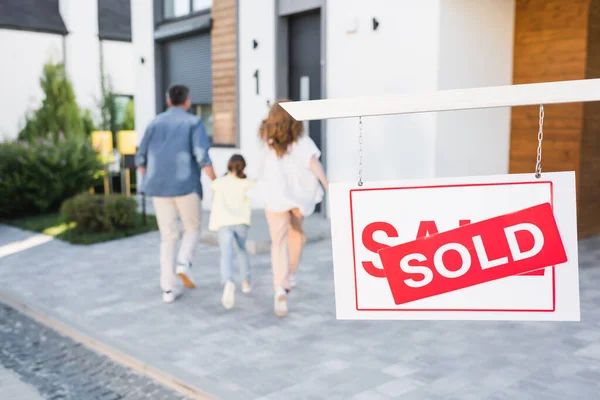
38,363
309,354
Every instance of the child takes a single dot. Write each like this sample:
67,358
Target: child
291,173
230,216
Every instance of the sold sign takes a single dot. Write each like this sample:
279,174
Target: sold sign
511,244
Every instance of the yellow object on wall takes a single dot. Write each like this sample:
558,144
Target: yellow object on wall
102,141
126,142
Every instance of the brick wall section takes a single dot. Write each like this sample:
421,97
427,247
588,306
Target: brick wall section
589,182
224,59
551,44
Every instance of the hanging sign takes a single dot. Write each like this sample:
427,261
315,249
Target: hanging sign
491,248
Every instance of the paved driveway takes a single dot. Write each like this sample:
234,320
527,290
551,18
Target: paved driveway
112,289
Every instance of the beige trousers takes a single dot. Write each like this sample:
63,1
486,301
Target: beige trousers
168,209
287,242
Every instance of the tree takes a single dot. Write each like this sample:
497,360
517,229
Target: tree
108,108
59,115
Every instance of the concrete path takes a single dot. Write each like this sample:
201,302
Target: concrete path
12,387
112,290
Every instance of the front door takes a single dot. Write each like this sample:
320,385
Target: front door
304,65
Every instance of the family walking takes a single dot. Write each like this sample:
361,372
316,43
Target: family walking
171,157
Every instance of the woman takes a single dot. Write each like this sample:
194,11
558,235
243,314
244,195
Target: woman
290,175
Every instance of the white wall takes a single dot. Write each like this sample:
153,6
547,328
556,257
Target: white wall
476,50
118,64
83,51
401,56
23,57
142,31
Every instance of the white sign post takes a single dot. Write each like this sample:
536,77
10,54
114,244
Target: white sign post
382,215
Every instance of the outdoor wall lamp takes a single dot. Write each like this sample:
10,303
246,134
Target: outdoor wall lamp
375,24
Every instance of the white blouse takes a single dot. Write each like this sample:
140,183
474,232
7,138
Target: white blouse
288,182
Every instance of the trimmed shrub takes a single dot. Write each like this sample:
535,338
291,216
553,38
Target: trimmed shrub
37,177
120,212
100,213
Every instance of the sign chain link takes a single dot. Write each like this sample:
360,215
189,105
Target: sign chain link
360,151
538,165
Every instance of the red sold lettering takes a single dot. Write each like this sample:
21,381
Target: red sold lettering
484,251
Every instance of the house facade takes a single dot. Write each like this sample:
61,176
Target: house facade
262,50
91,37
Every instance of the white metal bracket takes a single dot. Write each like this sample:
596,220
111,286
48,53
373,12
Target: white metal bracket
448,100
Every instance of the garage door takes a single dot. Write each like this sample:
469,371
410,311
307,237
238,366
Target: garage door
188,62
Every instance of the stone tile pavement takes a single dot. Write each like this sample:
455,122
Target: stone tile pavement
248,353
12,387
37,363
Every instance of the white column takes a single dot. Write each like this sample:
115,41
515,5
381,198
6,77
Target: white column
83,51
142,29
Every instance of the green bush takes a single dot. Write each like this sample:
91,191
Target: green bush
37,177
120,212
100,213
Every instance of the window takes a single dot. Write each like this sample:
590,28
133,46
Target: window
204,111
200,5
176,8
124,117
181,8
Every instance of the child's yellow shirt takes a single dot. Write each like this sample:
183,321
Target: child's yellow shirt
230,205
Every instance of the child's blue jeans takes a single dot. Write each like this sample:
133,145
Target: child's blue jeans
227,236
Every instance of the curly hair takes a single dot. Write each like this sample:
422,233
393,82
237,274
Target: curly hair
280,130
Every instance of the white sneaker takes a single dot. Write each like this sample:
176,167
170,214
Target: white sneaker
292,280
184,272
246,287
170,296
228,299
281,308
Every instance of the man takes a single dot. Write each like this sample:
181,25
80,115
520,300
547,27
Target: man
171,156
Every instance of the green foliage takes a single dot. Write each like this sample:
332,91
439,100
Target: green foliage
86,211
87,123
36,177
100,213
108,109
129,117
120,212
59,114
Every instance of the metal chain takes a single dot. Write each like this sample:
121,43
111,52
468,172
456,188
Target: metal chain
360,151
538,165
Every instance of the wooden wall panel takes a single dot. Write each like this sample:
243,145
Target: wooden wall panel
560,40
551,44
224,68
589,182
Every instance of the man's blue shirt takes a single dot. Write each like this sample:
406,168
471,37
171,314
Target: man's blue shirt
174,150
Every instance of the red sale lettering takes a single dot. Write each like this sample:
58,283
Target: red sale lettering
426,228
371,245
473,254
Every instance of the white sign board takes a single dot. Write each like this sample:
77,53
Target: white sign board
476,248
